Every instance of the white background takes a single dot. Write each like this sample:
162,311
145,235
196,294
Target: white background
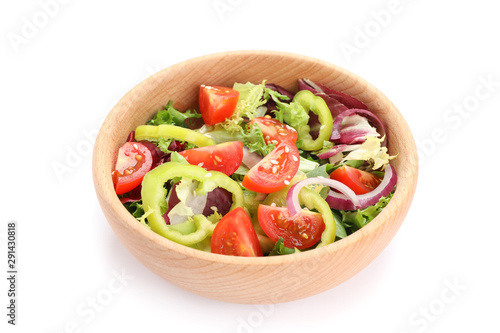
59,80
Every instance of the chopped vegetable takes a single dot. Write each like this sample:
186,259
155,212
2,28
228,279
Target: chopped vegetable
225,157
318,106
198,227
234,235
300,231
275,170
155,133
133,162
217,103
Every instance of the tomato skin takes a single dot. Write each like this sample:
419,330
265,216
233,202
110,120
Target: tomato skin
274,131
301,232
275,170
225,157
361,182
133,162
217,103
234,235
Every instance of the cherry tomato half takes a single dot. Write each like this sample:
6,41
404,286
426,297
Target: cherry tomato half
133,162
225,157
275,170
359,181
217,103
234,235
302,231
274,131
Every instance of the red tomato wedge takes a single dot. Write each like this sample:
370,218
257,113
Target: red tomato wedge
225,157
275,170
234,235
134,161
361,182
301,232
274,131
216,103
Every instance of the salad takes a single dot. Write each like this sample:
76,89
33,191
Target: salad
258,170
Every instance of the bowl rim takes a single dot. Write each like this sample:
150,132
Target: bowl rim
104,183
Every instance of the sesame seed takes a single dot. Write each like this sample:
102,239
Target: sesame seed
286,182
287,149
135,146
273,205
217,158
295,158
274,162
200,164
208,175
275,169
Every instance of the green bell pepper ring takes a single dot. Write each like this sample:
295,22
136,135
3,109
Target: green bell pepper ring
151,132
312,200
154,194
318,106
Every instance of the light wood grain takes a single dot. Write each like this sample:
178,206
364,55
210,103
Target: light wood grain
250,280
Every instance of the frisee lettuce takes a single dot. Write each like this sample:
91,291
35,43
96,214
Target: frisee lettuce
372,152
254,140
250,99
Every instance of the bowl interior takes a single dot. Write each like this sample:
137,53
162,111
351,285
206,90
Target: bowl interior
180,83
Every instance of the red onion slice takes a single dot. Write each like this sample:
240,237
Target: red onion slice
292,197
343,202
337,125
250,159
337,149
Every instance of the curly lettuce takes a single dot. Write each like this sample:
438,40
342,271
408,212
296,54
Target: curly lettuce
252,97
371,151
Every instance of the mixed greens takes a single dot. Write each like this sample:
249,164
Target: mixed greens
258,170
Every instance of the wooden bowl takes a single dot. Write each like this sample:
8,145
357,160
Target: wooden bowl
238,279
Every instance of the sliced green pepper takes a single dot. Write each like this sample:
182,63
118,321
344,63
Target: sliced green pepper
318,106
151,132
154,193
312,200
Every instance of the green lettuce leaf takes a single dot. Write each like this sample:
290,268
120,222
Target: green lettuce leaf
251,98
280,249
355,220
254,140
291,113
171,116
